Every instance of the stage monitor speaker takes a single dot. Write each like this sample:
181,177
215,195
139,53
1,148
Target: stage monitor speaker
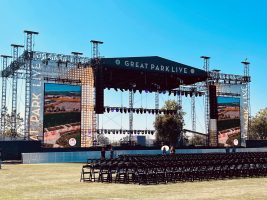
213,102
99,90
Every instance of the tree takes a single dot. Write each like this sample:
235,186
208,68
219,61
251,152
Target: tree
258,128
197,140
102,139
169,127
19,124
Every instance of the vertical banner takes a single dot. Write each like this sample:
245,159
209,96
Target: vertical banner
62,115
229,132
36,109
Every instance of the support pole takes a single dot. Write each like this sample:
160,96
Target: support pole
28,81
3,104
206,97
95,54
247,110
131,102
15,51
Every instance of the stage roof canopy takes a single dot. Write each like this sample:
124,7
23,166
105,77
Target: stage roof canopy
148,73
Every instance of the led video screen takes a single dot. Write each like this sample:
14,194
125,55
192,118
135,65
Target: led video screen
62,115
228,124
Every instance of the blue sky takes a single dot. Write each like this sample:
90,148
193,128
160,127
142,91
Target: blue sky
181,30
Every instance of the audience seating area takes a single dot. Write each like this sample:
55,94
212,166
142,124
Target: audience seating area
156,169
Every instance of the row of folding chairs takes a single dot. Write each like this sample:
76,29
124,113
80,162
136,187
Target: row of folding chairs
144,169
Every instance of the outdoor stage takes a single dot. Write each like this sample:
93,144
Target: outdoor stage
64,96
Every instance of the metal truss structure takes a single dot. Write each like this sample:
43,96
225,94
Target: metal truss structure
38,68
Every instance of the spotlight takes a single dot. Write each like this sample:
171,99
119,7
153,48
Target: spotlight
125,110
157,111
182,92
152,132
152,111
105,131
186,94
112,109
144,110
120,110
129,110
141,110
140,91
133,110
108,109
191,94
137,111
170,92
116,89
149,111
174,93
97,131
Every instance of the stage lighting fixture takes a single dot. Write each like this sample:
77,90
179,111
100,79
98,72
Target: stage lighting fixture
191,94
117,109
144,110
125,110
142,132
157,111
123,132
141,110
146,91
97,131
164,92
108,109
133,109
152,132
117,132
200,94
137,111
170,92
105,131
152,111
149,111
116,89
121,90
134,90
196,94
121,110
140,91
174,93
182,92
112,109
108,131
186,93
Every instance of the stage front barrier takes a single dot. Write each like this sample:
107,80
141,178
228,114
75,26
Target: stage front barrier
82,156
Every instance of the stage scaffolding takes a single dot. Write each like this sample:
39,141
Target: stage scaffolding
38,68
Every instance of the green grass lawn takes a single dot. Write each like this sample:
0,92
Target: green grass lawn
62,181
